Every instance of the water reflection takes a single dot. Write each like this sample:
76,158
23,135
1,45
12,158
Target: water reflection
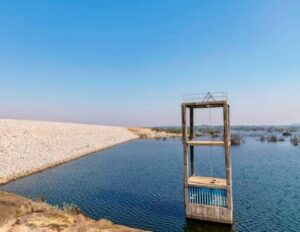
202,226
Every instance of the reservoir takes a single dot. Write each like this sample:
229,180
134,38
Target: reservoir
140,184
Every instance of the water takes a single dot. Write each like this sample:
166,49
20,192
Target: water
140,184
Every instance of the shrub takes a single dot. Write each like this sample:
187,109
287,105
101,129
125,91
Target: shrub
236,139
295,140
286,133
262,138
272,139
71,208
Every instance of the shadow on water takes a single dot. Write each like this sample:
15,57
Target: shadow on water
202,226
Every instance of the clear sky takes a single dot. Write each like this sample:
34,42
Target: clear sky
130,62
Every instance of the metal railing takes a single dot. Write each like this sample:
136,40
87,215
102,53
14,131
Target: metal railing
208,196
205,97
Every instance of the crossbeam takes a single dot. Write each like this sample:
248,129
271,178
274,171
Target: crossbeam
206,143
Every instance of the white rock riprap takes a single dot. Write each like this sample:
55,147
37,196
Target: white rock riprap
30,146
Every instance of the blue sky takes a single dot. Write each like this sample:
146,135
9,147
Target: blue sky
130,62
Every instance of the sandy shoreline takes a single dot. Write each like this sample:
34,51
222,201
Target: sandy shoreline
30,146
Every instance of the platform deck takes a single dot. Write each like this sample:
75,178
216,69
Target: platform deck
205,143
209,182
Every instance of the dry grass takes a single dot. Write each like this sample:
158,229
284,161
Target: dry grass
27,215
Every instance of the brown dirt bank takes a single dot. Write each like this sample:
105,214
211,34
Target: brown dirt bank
19,214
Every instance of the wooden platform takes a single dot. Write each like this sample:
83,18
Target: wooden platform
209,182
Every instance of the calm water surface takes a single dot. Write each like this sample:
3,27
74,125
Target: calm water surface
140,184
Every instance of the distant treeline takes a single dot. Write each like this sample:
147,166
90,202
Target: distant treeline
268,133
206,128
